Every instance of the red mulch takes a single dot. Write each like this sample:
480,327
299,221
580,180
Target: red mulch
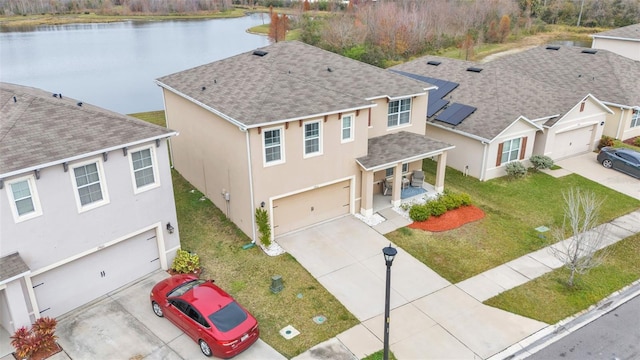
450,220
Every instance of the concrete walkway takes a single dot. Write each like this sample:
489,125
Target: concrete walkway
430,317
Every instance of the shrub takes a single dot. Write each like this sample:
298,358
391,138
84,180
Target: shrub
419,212
436,208
40,340
262,219
541,162
465,199
636,142
450,200
185,262
605,141
515,169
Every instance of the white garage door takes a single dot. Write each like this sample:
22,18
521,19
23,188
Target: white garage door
573,142
311,207
71,285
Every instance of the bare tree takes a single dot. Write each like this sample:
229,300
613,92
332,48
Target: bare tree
579,253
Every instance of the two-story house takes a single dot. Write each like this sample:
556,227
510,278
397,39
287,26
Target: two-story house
623,41
86,203
305,133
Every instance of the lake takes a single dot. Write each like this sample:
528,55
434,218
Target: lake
114,65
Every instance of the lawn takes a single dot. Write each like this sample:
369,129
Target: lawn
513,208
246,274
620,268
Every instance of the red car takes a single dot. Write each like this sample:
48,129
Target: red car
206,313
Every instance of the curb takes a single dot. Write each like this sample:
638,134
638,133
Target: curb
543,338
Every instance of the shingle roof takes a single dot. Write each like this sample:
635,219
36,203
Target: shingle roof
293,80
403,146
37,128
500,95
631,32
11,266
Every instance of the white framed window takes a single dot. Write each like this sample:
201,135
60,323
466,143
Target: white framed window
90,185
635,118
273,141
405,168
312,138
144,169
346,129
23,196
388,172
510,151
399,112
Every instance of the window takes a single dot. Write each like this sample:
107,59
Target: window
511,150
399,112
405,168
635,118
273,146
145,174
347,128
388,172
24,198
88,179
312,141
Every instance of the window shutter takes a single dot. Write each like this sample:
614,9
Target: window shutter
498,160
523,147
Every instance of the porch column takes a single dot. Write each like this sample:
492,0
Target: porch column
17,304
397,185
442,165
366,193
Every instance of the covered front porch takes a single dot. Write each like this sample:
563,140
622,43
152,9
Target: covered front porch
391,163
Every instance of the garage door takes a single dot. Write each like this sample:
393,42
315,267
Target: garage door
71,285
573,142
311,207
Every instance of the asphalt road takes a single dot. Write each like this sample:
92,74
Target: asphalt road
614,336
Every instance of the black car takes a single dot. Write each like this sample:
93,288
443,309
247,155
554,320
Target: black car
623,160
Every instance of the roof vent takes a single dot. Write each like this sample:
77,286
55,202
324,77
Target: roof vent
589,51
80,103
204,88
434,62
260,53
553,47
474,69
329,69
15,99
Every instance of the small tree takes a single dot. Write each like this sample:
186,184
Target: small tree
580,253
262,219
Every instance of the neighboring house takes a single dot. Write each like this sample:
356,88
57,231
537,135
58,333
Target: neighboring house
624,41
86,203
495,115
303,132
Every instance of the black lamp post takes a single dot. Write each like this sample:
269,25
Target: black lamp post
389,254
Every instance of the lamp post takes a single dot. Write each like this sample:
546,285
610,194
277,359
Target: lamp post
389,253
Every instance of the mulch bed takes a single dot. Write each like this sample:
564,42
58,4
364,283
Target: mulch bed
631,141
450,220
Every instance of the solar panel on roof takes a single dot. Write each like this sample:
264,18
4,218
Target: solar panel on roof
435,106
455,113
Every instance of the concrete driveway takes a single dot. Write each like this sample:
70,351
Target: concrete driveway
122,325
430,317
586,165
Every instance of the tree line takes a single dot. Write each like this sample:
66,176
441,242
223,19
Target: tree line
112,7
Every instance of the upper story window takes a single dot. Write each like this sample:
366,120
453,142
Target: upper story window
144,169
23,196
511,150
91,189
635,118
312,138
399,112
273,146
347,128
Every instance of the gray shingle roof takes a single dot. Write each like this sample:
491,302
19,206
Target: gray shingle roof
11,266
38,129
631,32
293,80
403,146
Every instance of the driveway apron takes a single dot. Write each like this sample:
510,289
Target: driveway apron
430,317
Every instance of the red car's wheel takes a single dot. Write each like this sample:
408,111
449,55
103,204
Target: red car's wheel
204,347
157,309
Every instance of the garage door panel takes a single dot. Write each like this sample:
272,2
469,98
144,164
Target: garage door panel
573,142
78,282
310,207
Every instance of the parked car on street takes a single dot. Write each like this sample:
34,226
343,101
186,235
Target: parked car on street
623,160
206,313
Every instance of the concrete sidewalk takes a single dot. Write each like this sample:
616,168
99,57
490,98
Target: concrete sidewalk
430,317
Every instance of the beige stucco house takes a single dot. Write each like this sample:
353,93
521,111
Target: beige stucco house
303,132
623,41
86,204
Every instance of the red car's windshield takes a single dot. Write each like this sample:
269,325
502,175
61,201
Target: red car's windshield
183,288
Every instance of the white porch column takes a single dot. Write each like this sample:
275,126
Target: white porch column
397,185
366,193
440,171
17,304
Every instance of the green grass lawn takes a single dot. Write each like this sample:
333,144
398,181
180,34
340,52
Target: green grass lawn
548,299
246,274
513,209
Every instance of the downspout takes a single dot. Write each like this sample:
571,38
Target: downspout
253,223
618,135
484,160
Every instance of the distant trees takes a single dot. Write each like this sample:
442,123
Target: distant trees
278,26
112,7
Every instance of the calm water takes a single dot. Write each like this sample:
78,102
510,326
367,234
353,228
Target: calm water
114,65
